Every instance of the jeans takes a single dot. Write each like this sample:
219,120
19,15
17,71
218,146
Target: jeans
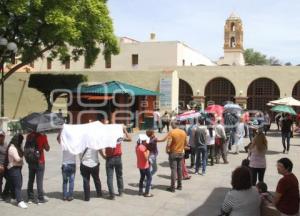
16,179
145,173
38,172
153,163
286,136
68,174
201,155
193,153
114,164
257,172
164,123
175,161
86,173
211,153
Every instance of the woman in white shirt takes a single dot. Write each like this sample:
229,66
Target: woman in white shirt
210,142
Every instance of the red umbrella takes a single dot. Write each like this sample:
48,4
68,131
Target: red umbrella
215,109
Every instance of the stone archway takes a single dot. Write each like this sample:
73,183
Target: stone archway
296,94
219,90
260,92
185,93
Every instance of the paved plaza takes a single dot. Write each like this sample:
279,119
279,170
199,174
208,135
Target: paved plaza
202,195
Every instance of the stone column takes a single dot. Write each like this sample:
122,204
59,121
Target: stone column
242,101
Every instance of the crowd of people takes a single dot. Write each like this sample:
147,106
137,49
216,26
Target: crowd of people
202,140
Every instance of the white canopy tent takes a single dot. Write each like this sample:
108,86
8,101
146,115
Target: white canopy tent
289,101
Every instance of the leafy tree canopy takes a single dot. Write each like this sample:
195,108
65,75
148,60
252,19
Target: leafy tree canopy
253,57
66,28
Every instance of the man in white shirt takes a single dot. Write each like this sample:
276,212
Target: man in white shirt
157,120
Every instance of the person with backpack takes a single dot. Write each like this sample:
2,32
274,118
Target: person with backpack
14,168
34,154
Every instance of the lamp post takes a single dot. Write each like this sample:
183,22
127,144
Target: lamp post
7,50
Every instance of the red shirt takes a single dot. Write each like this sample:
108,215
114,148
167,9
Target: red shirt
41,141
288,187
142,162
114,152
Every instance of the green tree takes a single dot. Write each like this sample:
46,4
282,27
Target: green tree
46,83
253,57
65,28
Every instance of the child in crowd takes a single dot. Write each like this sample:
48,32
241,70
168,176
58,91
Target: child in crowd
263,191
142,154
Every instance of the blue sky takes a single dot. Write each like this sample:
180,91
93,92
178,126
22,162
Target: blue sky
270,26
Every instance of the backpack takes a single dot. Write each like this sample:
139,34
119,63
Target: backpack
31,151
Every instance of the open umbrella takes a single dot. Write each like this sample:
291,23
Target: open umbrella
289,101
187,115
284,109
232,108
40,122
215,109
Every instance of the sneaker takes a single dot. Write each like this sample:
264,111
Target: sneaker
22,205
70,199
203,174
65,199
196,173
170,189
148,195
42,201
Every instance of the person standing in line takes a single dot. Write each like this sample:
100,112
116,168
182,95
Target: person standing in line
90,166
258,150
68,169
176,144
201,147
286,197
3,172
113,158
153,151
191,143
142,154
165,119
14,168
239,136
277,120
36,169
210,142
286,131
157,120
220,143
267,122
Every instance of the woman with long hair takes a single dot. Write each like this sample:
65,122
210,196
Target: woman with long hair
15,163
258,150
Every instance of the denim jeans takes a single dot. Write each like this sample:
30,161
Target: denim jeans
86,173
68,174
114,164
201,155
175,161
145,173
286,136
153,164
16,179
36,171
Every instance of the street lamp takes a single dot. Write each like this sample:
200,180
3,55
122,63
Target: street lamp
7,50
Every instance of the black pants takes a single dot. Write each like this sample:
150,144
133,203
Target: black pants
36,172
7,188
86,173
257,172
211,153
114,164
165,124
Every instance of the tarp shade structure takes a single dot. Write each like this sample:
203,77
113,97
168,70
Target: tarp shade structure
288,101
115,87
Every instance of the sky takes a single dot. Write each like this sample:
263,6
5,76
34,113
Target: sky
270,26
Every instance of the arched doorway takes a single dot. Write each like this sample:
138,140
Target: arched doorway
219,90
260,92
296,94
185,93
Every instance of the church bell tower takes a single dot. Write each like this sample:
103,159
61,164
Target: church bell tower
233,42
